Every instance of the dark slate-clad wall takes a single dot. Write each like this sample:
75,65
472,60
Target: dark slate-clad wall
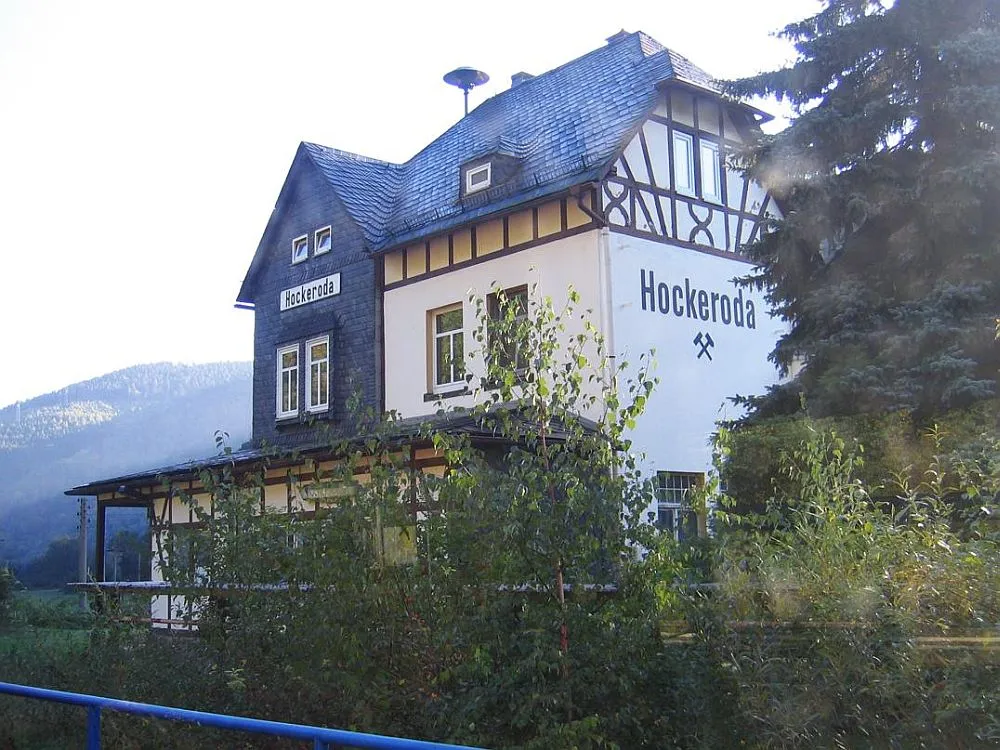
350,318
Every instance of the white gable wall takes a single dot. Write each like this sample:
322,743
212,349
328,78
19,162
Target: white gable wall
652,283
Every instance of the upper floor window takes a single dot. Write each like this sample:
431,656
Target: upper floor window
300,248
288,381
507,310
711,170
448,346
683,163
318,374
478,178
323,241
707,183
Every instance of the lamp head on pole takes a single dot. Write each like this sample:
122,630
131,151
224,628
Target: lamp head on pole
466,79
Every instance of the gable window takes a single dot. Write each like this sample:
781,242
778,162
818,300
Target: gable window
318,374
323,241
448,349
288,381
711,170
674,514
683,163
300,248
478,178
508,309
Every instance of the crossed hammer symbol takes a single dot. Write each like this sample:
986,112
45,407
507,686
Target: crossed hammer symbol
705,342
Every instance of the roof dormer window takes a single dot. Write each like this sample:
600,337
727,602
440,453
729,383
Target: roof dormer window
478,178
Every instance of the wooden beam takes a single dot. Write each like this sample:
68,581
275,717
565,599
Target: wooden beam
102,511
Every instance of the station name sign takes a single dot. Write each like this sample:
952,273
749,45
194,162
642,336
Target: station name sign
311,291
687,301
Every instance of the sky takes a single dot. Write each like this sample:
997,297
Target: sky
143,144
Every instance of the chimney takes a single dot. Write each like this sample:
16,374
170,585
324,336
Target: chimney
518,78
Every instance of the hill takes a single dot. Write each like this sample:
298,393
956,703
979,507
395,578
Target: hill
128,420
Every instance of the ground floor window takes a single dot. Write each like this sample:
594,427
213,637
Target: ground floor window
674,514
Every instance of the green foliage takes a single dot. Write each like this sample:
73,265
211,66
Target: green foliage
497,603
48,422
497,598
887,262
8,584
895,448
57,567
537,533
112,660
838,614
48,609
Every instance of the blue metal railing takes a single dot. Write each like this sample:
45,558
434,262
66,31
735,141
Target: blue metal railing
322,738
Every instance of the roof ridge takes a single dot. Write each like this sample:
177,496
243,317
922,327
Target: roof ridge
648,44
679,72
349,154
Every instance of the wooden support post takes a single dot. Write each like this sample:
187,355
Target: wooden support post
102,511
82,552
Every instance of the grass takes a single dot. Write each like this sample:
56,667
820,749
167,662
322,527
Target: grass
54,641
49,596
48,608
44,638
45,622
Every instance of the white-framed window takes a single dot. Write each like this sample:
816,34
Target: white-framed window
478,178
674,514
300,248
318,374
448,349
288,381
683,160
323,240
711,170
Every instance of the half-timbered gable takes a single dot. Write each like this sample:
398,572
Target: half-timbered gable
672,181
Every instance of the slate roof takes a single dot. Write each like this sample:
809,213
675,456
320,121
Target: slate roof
566,126
479,428
152,476
366,186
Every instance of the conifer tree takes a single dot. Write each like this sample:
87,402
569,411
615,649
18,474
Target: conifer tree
887,262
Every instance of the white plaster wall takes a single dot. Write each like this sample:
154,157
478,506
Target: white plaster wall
675,432
551,268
